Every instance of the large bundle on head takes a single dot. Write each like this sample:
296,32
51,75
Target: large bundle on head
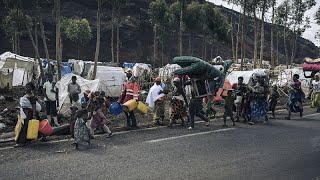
141,71
311,64
200,72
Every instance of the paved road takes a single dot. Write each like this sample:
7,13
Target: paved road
283,149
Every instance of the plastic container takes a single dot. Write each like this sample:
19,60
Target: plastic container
33,127
142,108
115,108
130,105
45,128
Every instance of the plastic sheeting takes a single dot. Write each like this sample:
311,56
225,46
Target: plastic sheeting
6,76
140,69
233,76
78,66
111,79
128,65
285,77
167,71
62,85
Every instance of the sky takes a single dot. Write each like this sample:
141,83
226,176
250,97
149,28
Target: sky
308,34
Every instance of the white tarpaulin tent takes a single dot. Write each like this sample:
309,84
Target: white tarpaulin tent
233,76
285,77
167,71
22,67
62,85
111,79
140,69
78,66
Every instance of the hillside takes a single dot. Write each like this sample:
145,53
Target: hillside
136,35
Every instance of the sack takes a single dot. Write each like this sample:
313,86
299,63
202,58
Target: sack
33,128
17,129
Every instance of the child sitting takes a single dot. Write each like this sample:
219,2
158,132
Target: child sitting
228,107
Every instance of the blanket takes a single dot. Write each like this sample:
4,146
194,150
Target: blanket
154,95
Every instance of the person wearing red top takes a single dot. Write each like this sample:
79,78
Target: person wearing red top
130,91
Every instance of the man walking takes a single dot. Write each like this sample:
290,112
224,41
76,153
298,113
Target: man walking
130,91
50,92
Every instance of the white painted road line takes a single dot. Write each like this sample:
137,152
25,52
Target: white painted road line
311,115
189,135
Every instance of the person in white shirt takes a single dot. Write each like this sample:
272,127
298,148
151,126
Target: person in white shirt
315,97
50,92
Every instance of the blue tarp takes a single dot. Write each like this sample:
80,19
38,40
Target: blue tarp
128,65
66,67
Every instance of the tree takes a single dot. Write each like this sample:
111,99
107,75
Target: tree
28,25
299,22
282,18
78,31
14,26
157,12
272,34
317,16
193,21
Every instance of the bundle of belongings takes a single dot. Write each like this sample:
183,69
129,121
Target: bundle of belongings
311,64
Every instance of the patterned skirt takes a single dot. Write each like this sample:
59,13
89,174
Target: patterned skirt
178,111
259,108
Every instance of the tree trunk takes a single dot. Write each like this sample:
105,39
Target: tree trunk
36,32
36,50
203,42
190,44
162,51
211,53
255,52
277,49
293,52
262,32
272,34
154,45
112,34
96,56
205,50
243,34
238,34
285,46
118,37
44,41
181,27
58,38
232,41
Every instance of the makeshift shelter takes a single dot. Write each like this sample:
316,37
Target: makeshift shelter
111,79
285,78
233,76
167,71
16,70
62,85
77,66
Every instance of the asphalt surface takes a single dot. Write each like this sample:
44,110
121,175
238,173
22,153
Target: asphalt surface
282,149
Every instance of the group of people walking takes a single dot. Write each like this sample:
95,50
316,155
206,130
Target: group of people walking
249,102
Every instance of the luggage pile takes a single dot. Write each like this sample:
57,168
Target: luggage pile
311,64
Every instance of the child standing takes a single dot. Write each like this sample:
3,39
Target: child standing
73,119
273,100
228,107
